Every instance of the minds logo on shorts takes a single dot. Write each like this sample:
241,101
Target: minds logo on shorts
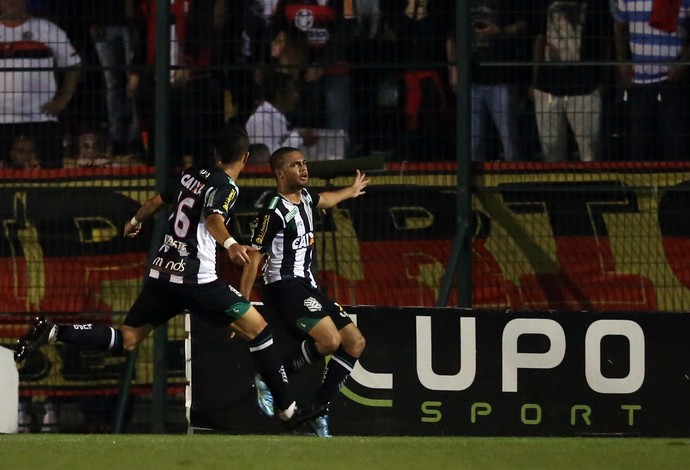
312,304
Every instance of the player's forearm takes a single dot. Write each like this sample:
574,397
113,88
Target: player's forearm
149,208
329,199
69,84
215,224
249,274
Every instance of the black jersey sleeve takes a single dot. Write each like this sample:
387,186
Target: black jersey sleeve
221,198
267,225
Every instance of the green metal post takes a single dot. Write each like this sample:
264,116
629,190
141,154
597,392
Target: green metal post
162,139
459,265
125,386
452,266
162,147
464,138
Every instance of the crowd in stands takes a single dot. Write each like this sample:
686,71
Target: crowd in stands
548,78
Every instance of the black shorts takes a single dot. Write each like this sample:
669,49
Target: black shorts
159,301
302,306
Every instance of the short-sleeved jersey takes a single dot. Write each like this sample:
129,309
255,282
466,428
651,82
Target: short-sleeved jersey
28,54
650,47
188,252
285,233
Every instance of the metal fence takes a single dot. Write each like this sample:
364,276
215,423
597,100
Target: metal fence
534,151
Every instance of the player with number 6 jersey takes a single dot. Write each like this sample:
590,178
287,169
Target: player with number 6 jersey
182,276
188,251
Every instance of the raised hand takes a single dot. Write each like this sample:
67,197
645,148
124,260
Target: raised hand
359,184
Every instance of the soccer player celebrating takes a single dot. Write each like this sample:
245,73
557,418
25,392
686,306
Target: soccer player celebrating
284,233
183,275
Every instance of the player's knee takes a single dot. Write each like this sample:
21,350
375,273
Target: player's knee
354,344
358,347
328,344
253,328
249,325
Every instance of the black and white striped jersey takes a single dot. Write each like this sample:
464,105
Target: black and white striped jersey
188,252
285,233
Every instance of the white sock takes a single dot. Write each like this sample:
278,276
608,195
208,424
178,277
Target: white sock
52,336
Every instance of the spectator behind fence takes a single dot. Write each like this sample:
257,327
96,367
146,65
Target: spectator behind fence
197,98
650,35
30,98
289,52
570,31
328,25
500,27
23,153
368,17
112,34
421,29
197,101
93,148
268,124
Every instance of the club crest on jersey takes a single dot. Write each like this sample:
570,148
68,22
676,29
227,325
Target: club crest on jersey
312,304
304,241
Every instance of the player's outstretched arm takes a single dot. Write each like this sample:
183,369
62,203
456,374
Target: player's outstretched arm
329,199
150,207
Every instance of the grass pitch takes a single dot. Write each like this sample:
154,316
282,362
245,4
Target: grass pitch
149,451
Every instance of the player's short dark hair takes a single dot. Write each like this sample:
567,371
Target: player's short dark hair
259,147
278,157
231,144
259,154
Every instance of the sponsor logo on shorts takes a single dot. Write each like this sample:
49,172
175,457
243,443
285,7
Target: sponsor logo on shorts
312,304
235,291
